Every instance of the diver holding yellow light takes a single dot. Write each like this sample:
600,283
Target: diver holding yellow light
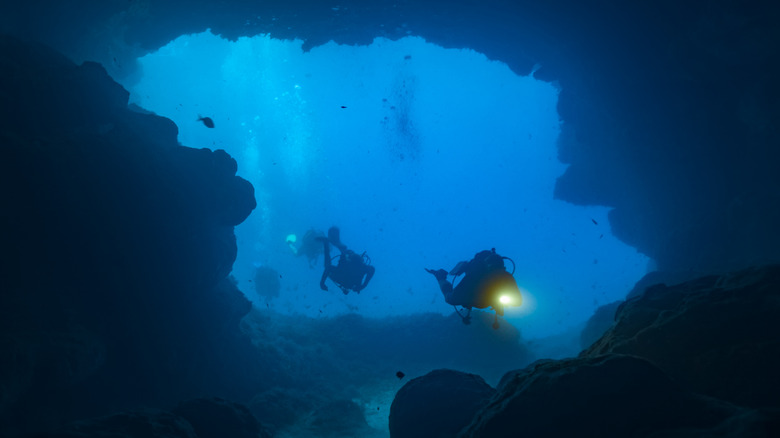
485,283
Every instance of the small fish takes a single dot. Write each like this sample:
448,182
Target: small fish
594,221
343,107
206,121
400,375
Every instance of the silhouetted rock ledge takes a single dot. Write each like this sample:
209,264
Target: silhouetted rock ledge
717,335
606,396
117,242
698,359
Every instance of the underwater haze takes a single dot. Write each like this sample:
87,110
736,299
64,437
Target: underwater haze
423,156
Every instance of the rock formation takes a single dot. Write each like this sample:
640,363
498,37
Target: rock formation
697,359
117,242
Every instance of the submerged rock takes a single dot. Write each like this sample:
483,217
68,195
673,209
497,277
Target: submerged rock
717,335
143,423
216,418
438,404
600,322
699,359
606,396
282,407
197,418
119,241
339,419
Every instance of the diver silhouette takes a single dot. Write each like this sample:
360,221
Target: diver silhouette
485,283
309,245
352,272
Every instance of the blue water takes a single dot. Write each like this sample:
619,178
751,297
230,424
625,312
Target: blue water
422,155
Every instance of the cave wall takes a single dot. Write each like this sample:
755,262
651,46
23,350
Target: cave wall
669,108
670,117
117,243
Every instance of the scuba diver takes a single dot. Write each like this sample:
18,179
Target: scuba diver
485,283
309,245
352,272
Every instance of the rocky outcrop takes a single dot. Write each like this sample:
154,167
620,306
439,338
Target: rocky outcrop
339,419
603,318
439,404
606,396
134,424
668,107
116,245
218,418
717,335
196,418
697,359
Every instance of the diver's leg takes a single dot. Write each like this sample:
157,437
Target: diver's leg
327,263
324,277
326,251
334,235
444,285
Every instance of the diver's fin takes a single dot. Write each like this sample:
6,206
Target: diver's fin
440,274
334,235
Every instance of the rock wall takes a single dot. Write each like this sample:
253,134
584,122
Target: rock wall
716,335
669,108
694,360
116,242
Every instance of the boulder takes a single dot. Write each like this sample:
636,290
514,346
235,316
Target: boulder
216,418
438,404
717,335
604,396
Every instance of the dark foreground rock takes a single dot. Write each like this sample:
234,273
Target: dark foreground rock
437,404
601,321
196,418
607,396
699,359
718,335
136,424
217,418
116,245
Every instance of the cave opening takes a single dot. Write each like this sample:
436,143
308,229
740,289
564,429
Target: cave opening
422,155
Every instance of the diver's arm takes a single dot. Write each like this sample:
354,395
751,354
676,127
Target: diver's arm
325,274
369,273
